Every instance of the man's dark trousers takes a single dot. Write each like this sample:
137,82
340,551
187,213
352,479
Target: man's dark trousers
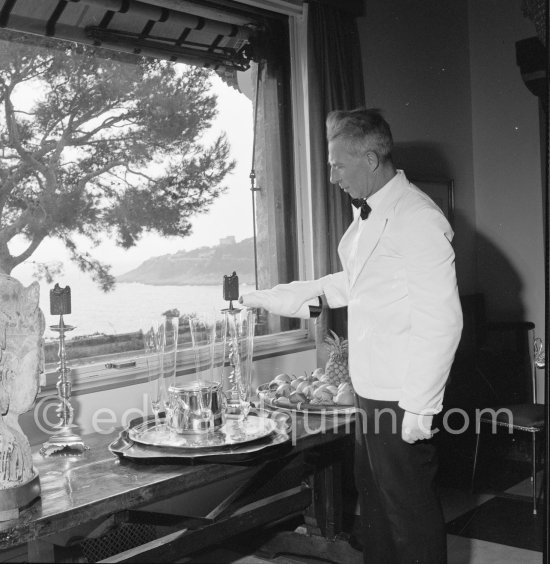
401,515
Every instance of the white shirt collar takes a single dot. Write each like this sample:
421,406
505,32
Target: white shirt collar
377,198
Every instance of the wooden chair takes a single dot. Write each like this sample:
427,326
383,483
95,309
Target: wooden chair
522,417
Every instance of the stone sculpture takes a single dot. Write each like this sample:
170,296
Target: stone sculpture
21,361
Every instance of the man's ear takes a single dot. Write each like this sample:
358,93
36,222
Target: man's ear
372,160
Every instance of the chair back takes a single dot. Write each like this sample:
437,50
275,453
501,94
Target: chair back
539,362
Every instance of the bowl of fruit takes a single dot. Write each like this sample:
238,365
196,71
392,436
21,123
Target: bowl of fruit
317,391
327,389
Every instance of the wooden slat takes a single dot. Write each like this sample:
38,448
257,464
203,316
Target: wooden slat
223,507
176,545
162,519
325,516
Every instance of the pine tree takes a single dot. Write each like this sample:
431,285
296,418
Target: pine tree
102,148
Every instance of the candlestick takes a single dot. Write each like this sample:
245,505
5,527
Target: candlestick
60,300
231,288
238,346
64,438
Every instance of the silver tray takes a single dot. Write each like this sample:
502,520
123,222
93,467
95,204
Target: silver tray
267,400
125,448
231,433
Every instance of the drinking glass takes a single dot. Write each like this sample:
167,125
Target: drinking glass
152,345
207,340
169,332
238,350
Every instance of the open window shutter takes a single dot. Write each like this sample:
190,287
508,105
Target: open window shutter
191,32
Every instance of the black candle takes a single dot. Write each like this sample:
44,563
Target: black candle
231,287
60,300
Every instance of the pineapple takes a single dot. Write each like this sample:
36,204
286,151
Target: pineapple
336,369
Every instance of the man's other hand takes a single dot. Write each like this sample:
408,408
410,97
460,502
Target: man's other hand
416,427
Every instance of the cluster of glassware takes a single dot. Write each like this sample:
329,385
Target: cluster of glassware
199,398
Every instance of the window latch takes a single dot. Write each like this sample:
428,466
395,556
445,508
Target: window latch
118,365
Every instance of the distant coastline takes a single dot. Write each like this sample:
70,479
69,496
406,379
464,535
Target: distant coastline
170,283
204,266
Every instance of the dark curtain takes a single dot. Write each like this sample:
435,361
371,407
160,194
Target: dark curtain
335,78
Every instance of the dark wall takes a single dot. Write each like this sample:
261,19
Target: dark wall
416,68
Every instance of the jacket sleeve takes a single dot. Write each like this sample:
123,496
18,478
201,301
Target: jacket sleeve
294,299
436,315
336,289
289,300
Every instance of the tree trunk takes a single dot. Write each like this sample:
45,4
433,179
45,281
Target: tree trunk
6,260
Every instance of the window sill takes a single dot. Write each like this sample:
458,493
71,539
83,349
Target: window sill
98,376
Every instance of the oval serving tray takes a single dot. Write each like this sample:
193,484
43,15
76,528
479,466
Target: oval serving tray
267,399
233,432
125,448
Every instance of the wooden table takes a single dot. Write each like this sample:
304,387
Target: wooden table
304,478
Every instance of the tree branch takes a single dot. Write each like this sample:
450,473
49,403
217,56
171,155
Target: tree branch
98,172
8,232
13,133
142,174
110,122
36,240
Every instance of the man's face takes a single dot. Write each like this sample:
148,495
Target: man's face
353,174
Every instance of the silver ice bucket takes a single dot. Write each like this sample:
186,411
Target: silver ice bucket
196,407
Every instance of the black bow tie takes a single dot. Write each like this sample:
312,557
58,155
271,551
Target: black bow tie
365,208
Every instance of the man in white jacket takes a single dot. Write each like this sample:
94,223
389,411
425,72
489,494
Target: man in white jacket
404,324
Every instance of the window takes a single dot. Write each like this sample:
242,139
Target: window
107,325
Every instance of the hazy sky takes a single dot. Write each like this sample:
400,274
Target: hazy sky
231,214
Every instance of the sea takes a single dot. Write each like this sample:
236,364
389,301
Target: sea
129,306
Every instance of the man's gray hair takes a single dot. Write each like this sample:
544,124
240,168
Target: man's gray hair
362,130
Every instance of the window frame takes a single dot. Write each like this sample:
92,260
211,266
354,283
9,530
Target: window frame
102,373
99,373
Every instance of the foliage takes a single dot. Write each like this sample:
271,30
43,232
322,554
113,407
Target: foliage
102,148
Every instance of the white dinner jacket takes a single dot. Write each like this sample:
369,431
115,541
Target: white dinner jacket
404,314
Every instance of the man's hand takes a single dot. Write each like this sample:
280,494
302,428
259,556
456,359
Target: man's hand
279,300
416,427
259,298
